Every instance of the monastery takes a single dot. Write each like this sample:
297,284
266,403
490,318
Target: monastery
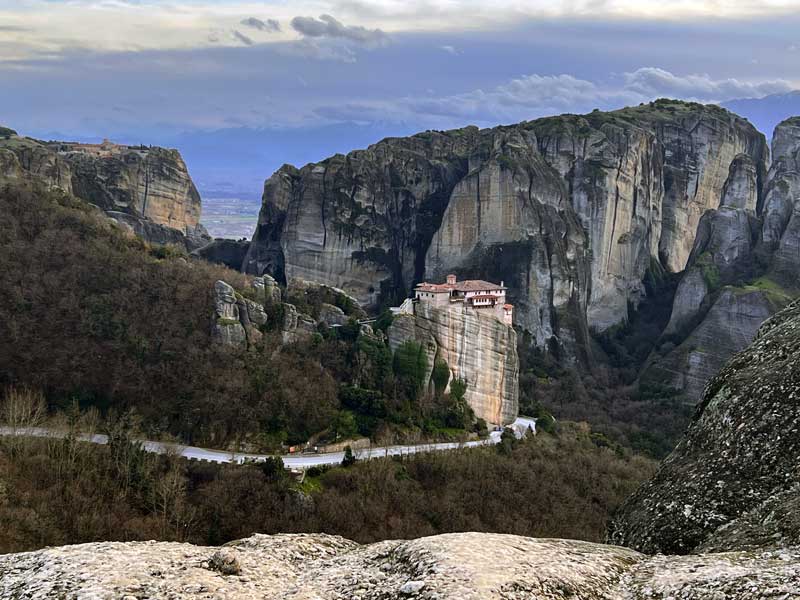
475,293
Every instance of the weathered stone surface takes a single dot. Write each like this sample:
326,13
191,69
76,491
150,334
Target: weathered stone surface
477,347
227,328
332,315
148,188
463,566
22,158
781,230
297,327
230,253
569,211
716,311
734,475
728,327
267,289
741,188
150,182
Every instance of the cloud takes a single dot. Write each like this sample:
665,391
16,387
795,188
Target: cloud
533,96
242,38
329,27
450,50
270,25
319,50
652,81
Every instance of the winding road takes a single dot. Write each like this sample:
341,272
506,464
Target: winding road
290,461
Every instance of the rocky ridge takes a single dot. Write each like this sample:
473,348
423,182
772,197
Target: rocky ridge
570,211
146,189
739,272
463,566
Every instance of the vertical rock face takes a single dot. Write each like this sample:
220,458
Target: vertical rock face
569,211
237,321
699,143
227,328
781,230
477,347
153,183
147,188
728,326
22,158
736,275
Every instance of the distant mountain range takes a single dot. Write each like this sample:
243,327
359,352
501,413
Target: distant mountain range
765,113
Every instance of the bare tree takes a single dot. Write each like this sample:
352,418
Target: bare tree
22,410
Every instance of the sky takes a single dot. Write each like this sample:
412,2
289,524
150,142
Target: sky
241,87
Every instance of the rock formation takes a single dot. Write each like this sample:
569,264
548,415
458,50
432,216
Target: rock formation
146,188
730,493
462,566
781,231
223,251
477,347
733,482
737,274
570,211
237,320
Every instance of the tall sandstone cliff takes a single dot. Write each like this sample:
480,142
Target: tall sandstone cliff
569,211
147,188
743,268
477,347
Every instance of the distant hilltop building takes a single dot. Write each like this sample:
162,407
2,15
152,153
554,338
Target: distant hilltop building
107,149
476,293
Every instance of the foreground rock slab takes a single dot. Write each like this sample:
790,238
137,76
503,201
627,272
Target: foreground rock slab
461,566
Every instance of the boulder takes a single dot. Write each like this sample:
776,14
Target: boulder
732,482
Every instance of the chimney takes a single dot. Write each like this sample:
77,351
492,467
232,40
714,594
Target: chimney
502,283
451,279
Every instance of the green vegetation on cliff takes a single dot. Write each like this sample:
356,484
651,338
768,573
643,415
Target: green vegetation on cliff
92,313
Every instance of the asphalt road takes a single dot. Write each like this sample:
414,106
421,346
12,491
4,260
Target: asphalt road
291,461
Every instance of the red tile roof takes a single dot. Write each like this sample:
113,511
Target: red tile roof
468,285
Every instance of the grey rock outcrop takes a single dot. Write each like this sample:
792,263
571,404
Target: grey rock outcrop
723,295
477,347
267,289
463,566
732,482
148,188
781,230
729,325
297,326
569,211
332,315
237,320
227,328
226,252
